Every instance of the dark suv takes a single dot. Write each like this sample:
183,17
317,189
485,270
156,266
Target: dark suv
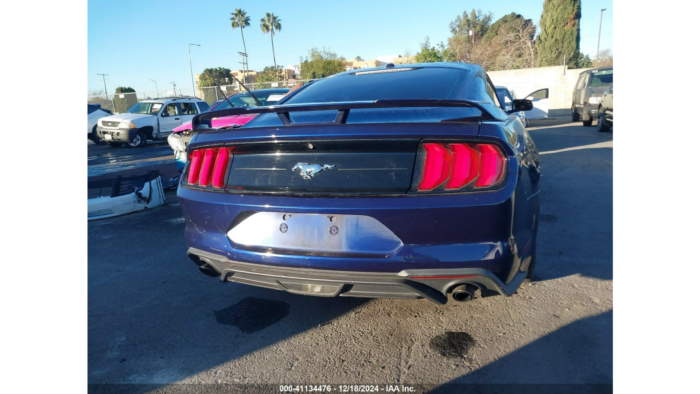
589,88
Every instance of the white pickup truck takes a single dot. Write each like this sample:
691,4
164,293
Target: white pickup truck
149,120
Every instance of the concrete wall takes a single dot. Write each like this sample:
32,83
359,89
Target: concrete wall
560,82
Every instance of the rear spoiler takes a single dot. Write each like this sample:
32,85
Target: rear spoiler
343,109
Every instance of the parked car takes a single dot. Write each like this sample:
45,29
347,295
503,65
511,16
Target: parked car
181,136
605,111
589,89
95,113
361,185
540,104
506,98
239,100
149,120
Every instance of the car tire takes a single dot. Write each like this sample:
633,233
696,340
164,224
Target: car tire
575,117
603,126
139,140
116,144
94,138
588,123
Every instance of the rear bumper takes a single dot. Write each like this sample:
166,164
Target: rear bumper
433,284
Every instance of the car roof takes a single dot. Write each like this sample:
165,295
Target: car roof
169,100
465,66
596,70
273,90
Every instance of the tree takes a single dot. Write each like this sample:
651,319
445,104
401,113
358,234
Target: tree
239,19
268,74
269,24
476,21
507,45
605,59
582,61
122,89
321,63
462,40
560,33
430,54
222,74
507,24
358,58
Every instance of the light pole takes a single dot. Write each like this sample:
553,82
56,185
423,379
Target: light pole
157,91
244,57
194,92
600,28
106,96
105,82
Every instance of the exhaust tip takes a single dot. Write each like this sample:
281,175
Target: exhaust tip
207,270
204,266
464,293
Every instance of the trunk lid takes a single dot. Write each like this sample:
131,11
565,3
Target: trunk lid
327,160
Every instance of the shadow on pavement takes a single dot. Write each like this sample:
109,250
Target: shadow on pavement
576,202
576,358
136,286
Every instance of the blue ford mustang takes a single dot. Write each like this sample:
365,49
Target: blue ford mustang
405,181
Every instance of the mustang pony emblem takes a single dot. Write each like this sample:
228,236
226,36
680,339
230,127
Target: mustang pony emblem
308,171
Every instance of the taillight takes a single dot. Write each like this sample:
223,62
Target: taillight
437,166
457,166
208,167
195,165
465,166
205,172
490,166
220,166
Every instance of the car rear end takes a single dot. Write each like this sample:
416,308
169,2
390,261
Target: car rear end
396,198
599,82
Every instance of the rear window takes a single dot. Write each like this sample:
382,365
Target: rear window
203,106
389,84
600,78
92,108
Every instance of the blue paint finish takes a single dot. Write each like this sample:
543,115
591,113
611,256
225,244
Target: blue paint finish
493,230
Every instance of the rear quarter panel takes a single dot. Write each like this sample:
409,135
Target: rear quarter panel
526,197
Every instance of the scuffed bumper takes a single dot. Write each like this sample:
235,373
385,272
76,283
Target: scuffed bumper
433,284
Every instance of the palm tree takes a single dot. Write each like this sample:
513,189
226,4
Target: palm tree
269,24
240,19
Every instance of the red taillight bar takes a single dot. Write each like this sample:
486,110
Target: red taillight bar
220,166
205,172
490,166
195,165
460,165
208,167
437,166
465,166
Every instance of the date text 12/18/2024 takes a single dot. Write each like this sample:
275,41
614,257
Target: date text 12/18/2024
347,389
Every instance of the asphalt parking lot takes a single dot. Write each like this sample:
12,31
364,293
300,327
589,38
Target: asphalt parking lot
154,319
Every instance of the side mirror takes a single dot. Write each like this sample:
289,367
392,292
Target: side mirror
164,114
522,105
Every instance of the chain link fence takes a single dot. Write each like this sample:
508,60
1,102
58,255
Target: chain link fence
122,102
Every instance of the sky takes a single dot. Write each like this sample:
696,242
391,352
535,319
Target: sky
135,42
